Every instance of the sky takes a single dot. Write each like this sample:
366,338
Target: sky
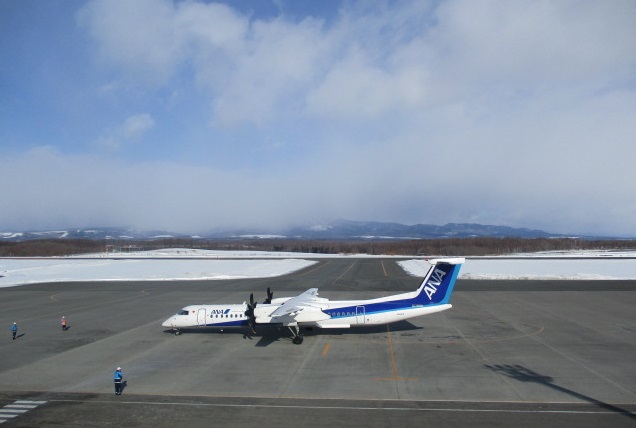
195,116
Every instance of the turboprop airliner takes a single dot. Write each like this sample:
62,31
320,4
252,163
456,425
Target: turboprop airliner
309,310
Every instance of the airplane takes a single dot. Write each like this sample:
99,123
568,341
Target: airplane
309,310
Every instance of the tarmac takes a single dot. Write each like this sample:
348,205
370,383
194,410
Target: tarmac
508,352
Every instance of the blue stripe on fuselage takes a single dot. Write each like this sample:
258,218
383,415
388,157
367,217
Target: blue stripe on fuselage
237,323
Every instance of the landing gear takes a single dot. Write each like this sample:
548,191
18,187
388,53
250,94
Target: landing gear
297,339
176,332
250,313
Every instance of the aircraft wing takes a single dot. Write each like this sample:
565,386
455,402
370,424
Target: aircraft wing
302,308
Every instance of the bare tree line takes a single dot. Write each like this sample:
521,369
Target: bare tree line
414,247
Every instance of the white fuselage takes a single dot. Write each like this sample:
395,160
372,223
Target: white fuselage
307,309
334,314
208,316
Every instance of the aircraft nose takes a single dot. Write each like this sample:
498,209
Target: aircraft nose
167,323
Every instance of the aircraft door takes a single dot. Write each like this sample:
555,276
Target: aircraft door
360,315
201,317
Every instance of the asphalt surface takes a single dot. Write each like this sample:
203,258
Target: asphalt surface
526,353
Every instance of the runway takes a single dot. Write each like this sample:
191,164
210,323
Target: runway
509,352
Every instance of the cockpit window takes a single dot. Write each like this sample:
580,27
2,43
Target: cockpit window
182,312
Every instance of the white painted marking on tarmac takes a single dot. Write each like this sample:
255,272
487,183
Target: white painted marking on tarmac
367,408
17,408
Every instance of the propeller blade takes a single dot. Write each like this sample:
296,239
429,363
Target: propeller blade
250,307
270,295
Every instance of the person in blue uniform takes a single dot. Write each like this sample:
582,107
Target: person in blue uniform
14,330
118,377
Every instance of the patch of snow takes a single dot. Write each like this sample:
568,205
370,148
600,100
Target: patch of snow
320,228
538,268
9,235
262,236
29,271
191,264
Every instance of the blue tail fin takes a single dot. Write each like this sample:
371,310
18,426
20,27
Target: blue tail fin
438,284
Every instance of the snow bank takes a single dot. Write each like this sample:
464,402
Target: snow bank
186,264
506,268
28,271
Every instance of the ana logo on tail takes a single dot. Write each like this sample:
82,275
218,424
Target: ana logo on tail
431,285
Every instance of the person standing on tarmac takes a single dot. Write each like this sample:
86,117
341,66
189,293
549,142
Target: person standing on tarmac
118,377
14,330
63,324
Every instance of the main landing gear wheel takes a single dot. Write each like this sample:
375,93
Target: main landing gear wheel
295,331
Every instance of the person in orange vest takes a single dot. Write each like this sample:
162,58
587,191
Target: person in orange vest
64,324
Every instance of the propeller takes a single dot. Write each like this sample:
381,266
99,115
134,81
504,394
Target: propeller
270,294
250,312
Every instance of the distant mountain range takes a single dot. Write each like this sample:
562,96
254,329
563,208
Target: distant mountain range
336,230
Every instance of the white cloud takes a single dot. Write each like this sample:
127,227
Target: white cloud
131,130
369,60
277,63
139,37
137,125
517,113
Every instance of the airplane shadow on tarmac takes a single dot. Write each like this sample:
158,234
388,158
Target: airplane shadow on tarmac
268,334
524,374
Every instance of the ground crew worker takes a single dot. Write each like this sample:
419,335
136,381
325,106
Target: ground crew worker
118,378
14,330
63,324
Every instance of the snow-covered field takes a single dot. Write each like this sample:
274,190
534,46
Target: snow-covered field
211,265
